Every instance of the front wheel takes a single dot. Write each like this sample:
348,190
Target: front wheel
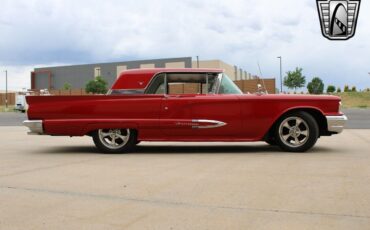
296,132
115,140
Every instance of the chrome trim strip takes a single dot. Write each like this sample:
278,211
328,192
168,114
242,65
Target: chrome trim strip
213,124
35,127
336,123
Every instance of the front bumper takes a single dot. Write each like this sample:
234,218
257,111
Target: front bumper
35,127
336,123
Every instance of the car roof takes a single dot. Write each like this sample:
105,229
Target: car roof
140,78
177,70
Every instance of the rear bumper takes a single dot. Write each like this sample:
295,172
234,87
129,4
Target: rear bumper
336,123
35,127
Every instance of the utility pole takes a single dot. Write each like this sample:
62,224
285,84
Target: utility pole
281,75
6,89
198,62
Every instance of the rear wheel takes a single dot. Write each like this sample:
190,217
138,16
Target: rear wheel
115,140
296,132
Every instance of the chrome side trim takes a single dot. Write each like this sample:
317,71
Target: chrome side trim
35,127
336,123
213,124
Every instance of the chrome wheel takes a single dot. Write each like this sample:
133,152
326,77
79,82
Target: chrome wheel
114,138
294,132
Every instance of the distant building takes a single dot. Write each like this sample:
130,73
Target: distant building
231,70
78,75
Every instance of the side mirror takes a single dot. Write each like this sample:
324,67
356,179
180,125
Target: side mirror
260,89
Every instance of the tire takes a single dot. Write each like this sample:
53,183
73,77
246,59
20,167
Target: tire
115,140
296,138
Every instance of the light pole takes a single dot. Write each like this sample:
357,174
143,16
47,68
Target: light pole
281,75
198,62
6,89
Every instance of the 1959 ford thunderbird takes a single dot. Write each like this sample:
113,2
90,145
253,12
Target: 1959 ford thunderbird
185,105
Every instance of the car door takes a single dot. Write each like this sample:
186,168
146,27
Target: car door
176,115
201,116
218,116
190,111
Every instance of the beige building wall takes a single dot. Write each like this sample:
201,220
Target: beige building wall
218,64
147,66
175,65
97,71
120,69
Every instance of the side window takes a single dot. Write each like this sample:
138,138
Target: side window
157,85
184,88
192,83
228,86
184,83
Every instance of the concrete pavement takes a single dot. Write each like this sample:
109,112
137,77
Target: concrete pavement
63,183
12,118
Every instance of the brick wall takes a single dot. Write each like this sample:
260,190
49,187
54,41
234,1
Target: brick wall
251,85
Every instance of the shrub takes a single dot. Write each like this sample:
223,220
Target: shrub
316,86
339,90
330,89
346,88
97,86
354,89
67,86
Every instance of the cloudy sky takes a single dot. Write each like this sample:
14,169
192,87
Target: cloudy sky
37,33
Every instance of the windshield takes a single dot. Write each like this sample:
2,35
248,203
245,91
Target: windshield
227,86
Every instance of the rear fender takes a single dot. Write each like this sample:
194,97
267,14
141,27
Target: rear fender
78,127
109,125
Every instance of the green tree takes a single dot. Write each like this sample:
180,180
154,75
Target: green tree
67,86
330,89
354,89
97,86
339,90
316,86
295,79
346,88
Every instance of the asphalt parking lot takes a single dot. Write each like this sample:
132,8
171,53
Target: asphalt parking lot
63,183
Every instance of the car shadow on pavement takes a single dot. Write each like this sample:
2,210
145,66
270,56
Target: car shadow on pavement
69,150
203,149
185,149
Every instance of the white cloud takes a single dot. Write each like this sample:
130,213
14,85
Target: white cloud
240,32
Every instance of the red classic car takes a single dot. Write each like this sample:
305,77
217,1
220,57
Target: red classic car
185,105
